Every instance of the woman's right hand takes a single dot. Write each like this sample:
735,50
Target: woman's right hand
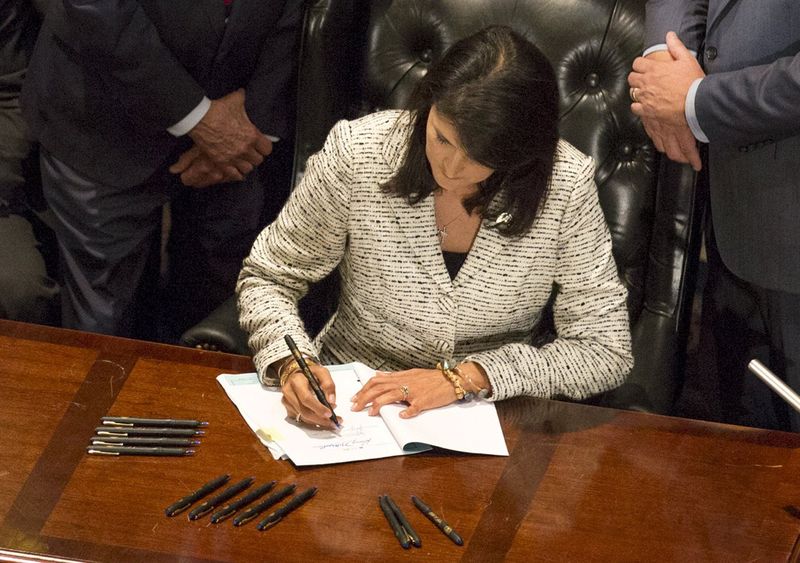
299,398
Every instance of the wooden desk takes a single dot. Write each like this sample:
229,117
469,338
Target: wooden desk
582,483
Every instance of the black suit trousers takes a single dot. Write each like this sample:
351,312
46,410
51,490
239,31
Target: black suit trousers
109,241
742,321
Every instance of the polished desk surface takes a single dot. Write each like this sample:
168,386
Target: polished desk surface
582,483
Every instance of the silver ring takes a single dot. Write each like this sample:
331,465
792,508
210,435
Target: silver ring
634,94
298,418
404,391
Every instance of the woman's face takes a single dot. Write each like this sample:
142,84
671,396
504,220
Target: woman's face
452,169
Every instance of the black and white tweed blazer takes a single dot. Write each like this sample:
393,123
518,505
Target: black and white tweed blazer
398,306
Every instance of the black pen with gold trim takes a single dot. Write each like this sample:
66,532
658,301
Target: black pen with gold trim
271,500
441,524
312,380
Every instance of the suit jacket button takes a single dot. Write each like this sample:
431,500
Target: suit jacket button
711,53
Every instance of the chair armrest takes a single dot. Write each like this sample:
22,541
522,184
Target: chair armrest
219,331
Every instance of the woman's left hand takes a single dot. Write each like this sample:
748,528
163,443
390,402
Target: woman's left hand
422,389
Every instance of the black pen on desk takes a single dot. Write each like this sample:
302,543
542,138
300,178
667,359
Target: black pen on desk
230,509
310,377
399,532
183,503
275,517
118,450
441,524
163,422
143,441
146,431
215,501
412,535
271,500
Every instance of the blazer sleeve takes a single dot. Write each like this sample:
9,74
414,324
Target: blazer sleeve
303,245
117,38
592,350
686,18
268,94
750,105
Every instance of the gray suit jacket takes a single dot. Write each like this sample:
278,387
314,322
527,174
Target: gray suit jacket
398,306
749,106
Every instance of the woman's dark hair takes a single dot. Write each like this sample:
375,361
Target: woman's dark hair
500,93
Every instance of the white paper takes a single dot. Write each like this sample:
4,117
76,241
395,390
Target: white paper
469,427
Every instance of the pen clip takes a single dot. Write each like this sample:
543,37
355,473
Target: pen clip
101,452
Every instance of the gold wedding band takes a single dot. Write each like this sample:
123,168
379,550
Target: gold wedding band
634,94
404,391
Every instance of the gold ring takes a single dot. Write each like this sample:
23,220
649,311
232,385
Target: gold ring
298,417
634,94
404,391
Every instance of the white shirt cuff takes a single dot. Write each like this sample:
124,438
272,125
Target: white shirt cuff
662,47
193,118
691,114
654,48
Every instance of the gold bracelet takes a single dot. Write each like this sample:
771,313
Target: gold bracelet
284,371
480,392
291,366
447,371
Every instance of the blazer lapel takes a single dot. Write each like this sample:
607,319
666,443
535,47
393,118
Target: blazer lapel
487,249
717,11
417,222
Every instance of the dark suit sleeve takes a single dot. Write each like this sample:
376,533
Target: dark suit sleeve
686,18
116,38
752,104
268,95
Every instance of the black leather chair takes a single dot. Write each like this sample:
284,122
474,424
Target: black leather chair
358,57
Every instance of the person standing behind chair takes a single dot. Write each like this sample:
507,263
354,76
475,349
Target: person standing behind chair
140,102
743,101
27,292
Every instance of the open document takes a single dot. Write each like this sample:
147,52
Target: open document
465,427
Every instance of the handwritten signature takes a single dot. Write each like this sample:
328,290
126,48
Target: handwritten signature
354,444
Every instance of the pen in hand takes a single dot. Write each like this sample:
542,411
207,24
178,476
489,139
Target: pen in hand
312,381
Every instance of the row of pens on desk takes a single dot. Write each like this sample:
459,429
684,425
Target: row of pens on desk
125,435
174,437
400,525
225,511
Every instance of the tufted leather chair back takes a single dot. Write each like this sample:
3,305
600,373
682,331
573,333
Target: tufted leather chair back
361,56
